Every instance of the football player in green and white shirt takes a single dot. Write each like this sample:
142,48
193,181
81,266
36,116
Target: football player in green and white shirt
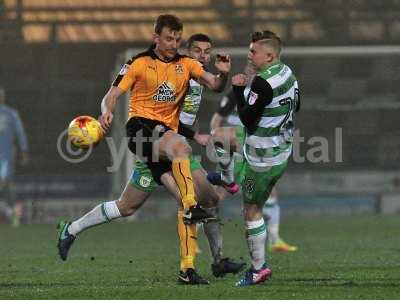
267,114
227,113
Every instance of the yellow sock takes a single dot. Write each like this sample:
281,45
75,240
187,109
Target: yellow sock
188,242
184,180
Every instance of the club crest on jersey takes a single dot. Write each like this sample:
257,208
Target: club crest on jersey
144,181
179,69
165,93
124,69
252,97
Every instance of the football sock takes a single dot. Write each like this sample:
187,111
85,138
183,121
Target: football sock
184,180
272,213
256,235
214,234
225,162
188,242
102,213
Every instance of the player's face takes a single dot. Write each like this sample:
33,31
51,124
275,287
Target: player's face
168,42
201,51
259,56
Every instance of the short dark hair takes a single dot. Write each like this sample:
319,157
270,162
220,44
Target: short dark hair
268,37
198,37
263,35
170,21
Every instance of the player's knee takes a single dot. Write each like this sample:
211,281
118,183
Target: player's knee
125,208
182,150
252,212
127,211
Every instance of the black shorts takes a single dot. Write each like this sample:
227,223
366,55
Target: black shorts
142,133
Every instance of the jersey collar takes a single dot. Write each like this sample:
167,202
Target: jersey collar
153,55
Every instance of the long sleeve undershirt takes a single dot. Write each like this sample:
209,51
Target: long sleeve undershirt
260,95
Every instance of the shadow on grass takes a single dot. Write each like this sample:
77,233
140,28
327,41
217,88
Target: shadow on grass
335,282
51,285
36,285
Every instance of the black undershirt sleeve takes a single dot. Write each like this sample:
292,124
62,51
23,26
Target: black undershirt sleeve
185,130
251,110
227,104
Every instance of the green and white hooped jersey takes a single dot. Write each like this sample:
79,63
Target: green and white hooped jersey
191,104
271,142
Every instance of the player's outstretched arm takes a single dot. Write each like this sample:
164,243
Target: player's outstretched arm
260,95
108,105
217,82
216,121
186,131
226,106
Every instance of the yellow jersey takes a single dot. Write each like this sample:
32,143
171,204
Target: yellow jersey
157,87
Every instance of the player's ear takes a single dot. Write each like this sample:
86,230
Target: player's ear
156,38
269,57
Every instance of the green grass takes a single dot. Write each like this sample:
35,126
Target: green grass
338,258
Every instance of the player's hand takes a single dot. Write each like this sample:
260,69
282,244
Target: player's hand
239,80
223,63
201,139
105,120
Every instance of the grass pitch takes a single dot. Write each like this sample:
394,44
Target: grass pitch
338,258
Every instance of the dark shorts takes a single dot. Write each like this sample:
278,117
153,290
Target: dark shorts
142,133
142,178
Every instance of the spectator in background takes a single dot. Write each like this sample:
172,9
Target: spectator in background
11,133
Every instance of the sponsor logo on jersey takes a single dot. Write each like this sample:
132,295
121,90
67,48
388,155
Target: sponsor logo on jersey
252,97
124,69
165,93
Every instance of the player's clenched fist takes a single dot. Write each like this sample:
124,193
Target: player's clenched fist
239,80
223,63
